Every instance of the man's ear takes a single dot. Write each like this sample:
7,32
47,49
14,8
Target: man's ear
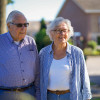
8,25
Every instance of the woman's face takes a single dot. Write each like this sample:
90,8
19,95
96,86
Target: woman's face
60,33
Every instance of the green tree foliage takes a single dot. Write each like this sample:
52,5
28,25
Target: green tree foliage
3,4
43,25
10,1
41,38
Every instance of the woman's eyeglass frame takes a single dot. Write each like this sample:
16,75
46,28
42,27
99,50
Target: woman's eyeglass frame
59,31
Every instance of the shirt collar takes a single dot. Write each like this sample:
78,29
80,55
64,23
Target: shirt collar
9,36
11,39
68,50
50,49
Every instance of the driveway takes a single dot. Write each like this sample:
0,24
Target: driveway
93,67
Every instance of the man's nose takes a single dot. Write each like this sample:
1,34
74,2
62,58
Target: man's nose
23,26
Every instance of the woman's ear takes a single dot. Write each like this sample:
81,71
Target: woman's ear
52,34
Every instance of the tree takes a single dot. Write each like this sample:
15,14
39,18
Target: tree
41,38
3,4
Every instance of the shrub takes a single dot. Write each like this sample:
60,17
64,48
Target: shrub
90,51
41,38
92,44
87,51
70,41
95,52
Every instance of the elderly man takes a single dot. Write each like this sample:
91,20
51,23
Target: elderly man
19,66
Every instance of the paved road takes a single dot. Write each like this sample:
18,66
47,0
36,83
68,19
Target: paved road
93,67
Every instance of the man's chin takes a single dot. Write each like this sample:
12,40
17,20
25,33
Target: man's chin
21,38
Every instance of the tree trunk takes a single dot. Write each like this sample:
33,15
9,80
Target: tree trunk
3,28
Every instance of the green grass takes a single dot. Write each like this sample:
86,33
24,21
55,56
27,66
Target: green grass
96,99
92,83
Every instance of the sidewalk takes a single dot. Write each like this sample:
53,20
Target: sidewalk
93,67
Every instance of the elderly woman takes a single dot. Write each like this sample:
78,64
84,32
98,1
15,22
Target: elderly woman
63,70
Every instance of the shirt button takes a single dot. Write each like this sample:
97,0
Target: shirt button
23,79
21,61
22,70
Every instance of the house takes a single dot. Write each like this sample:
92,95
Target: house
33,28
84,16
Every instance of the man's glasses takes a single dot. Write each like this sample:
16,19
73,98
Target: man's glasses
21,25
60,31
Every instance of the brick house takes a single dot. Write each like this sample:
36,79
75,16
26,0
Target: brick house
84,16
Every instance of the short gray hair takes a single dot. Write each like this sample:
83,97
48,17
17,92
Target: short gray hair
55,23
12,15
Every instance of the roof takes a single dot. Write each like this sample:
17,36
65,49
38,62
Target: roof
89,6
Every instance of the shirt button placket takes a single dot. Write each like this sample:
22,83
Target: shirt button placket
58,97
21,64
22,70
20,53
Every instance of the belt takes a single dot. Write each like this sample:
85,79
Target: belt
20,89
59,92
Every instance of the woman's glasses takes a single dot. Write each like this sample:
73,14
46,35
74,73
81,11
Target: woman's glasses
60,31
21,25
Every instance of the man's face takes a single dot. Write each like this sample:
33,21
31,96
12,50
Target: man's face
18,33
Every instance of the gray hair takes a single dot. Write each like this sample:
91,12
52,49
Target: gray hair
12,15
55,23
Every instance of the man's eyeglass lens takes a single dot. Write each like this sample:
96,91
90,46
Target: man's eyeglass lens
21,25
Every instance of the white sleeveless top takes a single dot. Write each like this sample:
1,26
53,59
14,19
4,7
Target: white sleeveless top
59,75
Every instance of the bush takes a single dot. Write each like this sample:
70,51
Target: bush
95,52
70,41
90,51
92,44
41,38
87,51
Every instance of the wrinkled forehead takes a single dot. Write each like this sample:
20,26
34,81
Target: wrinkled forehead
19,17
62,25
